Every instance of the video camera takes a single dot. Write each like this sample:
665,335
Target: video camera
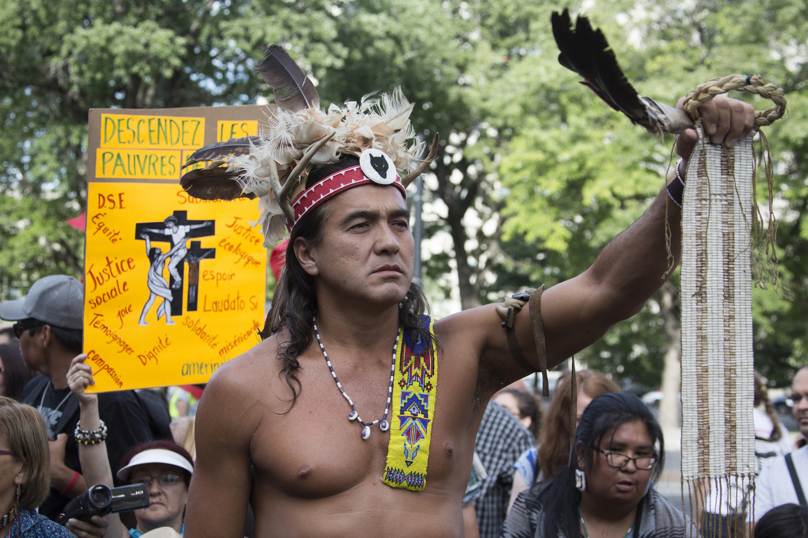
100,500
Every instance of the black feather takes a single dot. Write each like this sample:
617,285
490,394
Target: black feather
221,150
585,51
294,91
213,184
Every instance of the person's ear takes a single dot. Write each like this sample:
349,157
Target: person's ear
579,453
46,335
21,473
306,256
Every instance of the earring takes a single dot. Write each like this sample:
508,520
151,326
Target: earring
580,480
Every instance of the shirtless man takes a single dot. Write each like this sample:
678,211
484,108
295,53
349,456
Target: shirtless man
286,446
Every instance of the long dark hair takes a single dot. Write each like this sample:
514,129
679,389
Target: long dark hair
15,373
606,413
294,302
785,521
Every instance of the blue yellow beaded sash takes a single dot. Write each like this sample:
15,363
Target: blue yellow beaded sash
413,406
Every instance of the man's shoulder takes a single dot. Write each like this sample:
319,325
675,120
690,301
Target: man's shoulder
777,469
800,455
247,373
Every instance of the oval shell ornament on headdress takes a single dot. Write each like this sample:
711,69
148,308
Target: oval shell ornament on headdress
378,166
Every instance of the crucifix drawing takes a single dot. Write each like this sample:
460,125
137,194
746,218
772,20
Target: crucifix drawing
176,230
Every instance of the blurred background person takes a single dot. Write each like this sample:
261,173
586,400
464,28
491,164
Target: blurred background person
771,436
552,454
24,469
13,372
524,406
7,336
49,325
500,440
607,490
784,479
163,466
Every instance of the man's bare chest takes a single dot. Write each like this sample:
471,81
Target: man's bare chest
315,451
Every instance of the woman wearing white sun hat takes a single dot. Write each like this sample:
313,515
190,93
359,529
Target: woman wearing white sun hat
163,466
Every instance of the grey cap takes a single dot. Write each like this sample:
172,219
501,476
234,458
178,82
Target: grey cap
57,300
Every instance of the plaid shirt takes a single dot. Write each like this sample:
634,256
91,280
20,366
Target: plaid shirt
500,441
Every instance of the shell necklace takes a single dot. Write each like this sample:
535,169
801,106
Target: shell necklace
354,415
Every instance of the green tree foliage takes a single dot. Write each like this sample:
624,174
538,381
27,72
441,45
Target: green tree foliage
59,59
578,178
534,175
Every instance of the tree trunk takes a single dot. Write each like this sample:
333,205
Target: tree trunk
670,408
469,296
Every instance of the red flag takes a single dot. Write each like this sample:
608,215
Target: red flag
277,259
79,223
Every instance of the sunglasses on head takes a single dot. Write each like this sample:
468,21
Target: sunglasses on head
24,325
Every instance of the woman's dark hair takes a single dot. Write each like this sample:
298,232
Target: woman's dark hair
603,416
15,373
528,407
294,302
762,397
785,521
162,444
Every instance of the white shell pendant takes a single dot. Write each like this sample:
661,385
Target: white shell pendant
353,416
365,432
384,425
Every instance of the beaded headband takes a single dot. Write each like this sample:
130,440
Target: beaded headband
299,136
364,174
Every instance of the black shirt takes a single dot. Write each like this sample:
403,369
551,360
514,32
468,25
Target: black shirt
126,420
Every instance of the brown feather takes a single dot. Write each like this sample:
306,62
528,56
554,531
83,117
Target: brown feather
294,91
213,184
220,150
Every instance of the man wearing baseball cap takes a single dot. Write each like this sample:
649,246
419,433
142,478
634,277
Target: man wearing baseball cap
48,324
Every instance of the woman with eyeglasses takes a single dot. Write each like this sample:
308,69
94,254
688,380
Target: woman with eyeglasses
606,491
164,467
24,473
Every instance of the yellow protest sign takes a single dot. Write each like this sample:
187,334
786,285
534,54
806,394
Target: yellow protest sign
174,286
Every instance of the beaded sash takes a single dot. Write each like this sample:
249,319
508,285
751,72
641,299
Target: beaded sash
414,390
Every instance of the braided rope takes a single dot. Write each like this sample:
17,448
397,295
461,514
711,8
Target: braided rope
748,83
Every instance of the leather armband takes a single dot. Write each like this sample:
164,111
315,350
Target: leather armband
513,305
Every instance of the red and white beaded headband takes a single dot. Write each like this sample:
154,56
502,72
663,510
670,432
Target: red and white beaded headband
375,167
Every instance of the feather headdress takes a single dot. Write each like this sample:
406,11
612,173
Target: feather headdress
298,136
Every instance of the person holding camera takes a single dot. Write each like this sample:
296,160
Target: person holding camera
25,474
164,468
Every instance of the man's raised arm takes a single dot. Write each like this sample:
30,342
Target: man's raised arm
630,269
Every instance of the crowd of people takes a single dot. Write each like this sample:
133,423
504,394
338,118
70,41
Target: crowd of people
277,446
528,481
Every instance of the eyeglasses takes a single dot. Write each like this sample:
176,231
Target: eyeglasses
163,480
616,459
22,326
7,453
